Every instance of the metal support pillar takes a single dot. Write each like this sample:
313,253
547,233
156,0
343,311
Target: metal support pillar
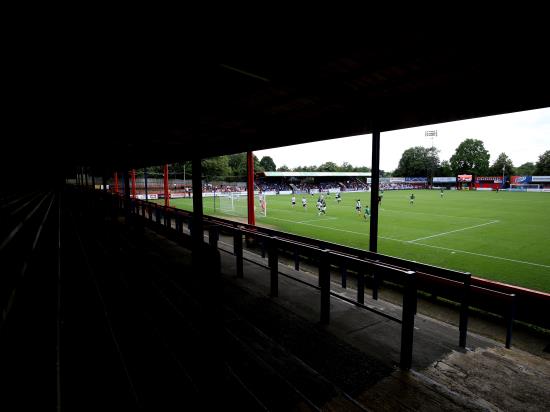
375,180
145,184
296,259
375,285
238,252
166,192
324,283
360,287
343,274
197,226
127,202
464,310
250,187
213,237
116,182
510,315
407,325
273,259
133,183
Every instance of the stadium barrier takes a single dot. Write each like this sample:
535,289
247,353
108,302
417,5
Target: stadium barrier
326,258
453,285
509,302
159,218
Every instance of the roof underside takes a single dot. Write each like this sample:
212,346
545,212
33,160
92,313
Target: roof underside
143,105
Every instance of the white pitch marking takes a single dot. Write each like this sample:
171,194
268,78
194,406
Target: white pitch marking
317,220
420,244
481,254
453,231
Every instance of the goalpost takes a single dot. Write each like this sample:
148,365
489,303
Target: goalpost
236,204
525,187
262,199
226,202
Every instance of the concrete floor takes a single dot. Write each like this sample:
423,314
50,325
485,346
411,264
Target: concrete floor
359,350
485,376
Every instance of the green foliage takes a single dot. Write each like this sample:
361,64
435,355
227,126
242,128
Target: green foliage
328,167
305,169
543,165
445,169
234,167
258,166
470,157
346,167
331,167
526,169
216,167
361,169
418,161
238,166
502,160
268,164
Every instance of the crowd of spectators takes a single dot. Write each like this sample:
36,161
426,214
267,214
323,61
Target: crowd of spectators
274,187
355,185
223,188
402,186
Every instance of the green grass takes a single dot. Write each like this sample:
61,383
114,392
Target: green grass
500,236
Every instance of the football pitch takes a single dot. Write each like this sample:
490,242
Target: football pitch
503,236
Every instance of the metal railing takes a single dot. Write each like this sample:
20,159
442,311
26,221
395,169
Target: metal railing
454,285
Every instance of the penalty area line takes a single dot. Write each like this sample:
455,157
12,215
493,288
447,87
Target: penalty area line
419,244
454,231
482,255
317,220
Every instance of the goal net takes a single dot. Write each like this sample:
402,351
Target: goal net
525,187
234,204
231,204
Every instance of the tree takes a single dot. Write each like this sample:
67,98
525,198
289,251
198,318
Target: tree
238,164
305,169
502,160
215,168
257,165
283,168
328,167
444,169
268,164
542,167
181,170
526,169
346,167
470,157
418,161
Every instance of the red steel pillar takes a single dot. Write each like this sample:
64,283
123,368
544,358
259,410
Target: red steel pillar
166,193
250,188
116,182
133,183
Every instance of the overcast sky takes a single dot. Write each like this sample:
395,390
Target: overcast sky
523,136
